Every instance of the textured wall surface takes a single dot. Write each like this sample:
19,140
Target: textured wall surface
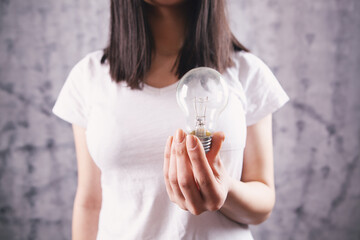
312,47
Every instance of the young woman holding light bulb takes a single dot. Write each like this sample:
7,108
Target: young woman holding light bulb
122,104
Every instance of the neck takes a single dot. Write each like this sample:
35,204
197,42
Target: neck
168,28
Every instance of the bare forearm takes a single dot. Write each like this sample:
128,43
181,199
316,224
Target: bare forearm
85,222
249,203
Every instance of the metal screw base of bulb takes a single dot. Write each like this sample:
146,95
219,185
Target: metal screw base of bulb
206,142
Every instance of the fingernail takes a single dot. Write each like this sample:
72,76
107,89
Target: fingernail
191,141
179,136
223,137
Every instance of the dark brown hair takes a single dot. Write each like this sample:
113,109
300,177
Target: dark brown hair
208,41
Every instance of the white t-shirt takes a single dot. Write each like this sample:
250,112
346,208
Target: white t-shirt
126,132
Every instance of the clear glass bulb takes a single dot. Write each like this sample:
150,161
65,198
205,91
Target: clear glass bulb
202,94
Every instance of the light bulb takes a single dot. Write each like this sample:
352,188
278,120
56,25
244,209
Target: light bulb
202,94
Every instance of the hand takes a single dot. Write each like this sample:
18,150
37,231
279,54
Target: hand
195,181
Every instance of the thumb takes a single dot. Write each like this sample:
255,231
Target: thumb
217,140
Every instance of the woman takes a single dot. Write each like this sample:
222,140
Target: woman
122,104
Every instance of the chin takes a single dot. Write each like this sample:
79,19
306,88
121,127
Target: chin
165,3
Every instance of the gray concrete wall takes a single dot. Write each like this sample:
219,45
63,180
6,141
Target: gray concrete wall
312,46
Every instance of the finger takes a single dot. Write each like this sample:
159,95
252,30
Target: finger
217,140
201,168
213,155
173,178
167,155
187,184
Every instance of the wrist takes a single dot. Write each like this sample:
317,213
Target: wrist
232,183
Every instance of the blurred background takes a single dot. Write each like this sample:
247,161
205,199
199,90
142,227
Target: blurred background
311,46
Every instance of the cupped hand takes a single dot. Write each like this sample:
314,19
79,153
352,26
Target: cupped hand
195,181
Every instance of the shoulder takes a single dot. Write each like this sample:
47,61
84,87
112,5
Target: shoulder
246,68
248,62
89,70
249,69
91,62
263,92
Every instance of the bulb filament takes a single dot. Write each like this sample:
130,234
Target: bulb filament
200,109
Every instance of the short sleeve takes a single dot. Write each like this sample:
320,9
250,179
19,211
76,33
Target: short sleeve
263,92
72,103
